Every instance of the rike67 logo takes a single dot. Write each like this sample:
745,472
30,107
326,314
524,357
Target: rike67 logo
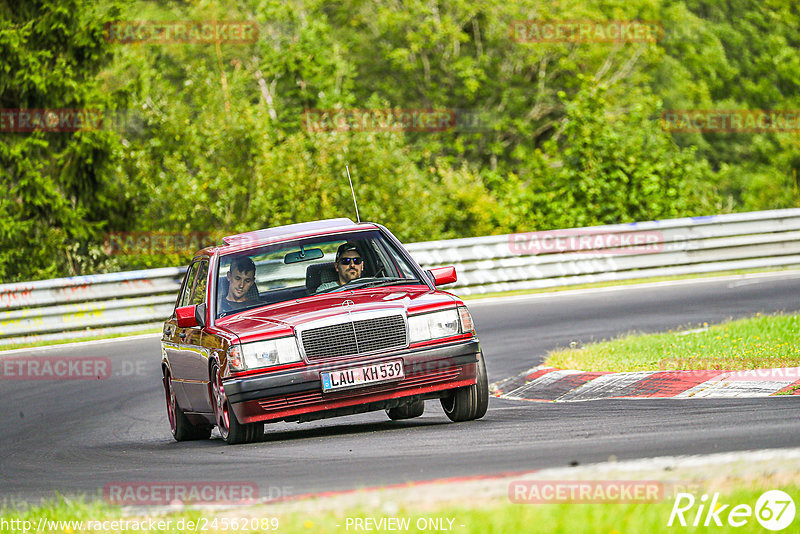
774,510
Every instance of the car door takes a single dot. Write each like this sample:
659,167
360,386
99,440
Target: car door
171,340
193,353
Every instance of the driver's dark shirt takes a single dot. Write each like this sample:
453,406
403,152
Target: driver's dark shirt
226,305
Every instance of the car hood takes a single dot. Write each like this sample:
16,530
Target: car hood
284,317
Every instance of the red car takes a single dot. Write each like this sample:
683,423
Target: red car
310,321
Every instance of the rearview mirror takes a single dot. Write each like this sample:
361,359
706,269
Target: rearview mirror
303,255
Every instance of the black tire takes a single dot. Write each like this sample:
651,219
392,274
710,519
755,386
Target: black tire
231,430
483,389
471,402
182,429
407,411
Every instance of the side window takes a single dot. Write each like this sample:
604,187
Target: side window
393,261
191,274
199,294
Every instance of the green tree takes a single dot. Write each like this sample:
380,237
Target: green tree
615,168
740,54
60,188
568,133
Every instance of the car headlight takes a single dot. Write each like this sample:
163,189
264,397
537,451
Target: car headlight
439,324
264,353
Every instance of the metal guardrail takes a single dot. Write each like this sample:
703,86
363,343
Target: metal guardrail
669,247
67,307
122,302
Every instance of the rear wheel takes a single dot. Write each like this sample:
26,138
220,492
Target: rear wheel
231,430
182,429
469,402
408,411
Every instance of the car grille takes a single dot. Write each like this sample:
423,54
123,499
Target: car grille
354,338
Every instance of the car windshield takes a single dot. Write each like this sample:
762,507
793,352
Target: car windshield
305,267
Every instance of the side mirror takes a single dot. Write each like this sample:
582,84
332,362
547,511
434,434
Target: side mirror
187,316
443,275
200,314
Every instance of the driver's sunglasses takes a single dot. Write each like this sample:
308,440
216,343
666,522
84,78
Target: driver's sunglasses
346,261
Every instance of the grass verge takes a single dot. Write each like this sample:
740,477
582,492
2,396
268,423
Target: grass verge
495,516
761,342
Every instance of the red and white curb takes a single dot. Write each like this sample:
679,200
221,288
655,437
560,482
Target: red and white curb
552,384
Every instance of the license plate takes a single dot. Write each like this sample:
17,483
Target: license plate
362,375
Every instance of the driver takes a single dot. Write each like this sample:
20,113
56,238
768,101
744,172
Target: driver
348,265
241,277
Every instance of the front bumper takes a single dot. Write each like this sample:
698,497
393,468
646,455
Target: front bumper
296,394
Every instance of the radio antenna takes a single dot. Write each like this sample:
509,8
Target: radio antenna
358,218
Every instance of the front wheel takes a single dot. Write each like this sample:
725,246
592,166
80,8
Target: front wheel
182,429
231,430
469,402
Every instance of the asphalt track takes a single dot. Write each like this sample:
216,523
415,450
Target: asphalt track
76,436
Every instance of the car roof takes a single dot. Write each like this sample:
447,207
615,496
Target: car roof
276,234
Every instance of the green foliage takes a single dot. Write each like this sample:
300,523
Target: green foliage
618,168
737,55
212,137
58,186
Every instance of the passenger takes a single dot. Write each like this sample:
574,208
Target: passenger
241,277
348,265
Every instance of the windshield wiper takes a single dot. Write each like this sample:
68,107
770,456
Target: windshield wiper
379,282
358,282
